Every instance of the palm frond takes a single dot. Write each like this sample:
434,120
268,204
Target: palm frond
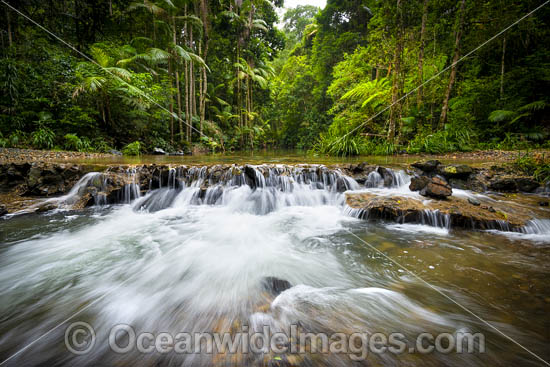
119,72
100,56
501,115
259,24
533,106
181,52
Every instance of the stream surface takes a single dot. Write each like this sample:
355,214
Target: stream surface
169,262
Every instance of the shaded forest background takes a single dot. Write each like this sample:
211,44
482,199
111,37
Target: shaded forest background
219,75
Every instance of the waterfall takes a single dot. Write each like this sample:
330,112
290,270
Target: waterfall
374,179
254,189
435,218
537,226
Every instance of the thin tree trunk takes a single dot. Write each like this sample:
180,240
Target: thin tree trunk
395,105
178,90
111,7
421,54
250,110
108,108
171,77
452,77
10,40
186,82
204,18
502,68
187,112
239,112
192,78
201,93
154,31
179,104
204,91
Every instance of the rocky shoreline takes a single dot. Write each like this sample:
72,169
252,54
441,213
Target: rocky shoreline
16,155
509,202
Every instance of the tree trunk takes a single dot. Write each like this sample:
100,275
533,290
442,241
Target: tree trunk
154,30
204,18
421,54
8,19
452,77
192,79
239,112
108,109
187,112
178,90
395,105
171,77
186,82
502,68
201,94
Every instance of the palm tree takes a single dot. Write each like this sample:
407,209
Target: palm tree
251,74
99,78
241,13
155,9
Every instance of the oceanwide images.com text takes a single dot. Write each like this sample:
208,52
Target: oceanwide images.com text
80,339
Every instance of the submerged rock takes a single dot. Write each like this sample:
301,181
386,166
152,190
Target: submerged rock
275,286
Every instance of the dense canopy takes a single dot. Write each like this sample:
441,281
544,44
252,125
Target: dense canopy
220,75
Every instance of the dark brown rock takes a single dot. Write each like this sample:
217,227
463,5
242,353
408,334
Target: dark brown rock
427,166
474,201
419,182
460,213
455,171
387,175
526,184
507,184
437,188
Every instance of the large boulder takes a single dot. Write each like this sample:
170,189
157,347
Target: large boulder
526,184
457,211
419,182
506,184
437,188
45,181
455,171
427,166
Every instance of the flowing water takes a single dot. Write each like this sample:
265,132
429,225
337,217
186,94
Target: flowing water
182,259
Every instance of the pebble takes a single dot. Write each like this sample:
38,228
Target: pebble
474,201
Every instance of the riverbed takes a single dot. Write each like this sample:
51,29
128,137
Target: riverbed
168,262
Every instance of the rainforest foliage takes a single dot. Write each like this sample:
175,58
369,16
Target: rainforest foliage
356,77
